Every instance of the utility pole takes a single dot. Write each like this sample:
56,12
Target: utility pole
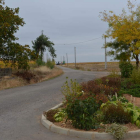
75,55
67,59
105,54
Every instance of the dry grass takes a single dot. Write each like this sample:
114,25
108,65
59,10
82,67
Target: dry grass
96,66
9,82
49,73
41,74
43,69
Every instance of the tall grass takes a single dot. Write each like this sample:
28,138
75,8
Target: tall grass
50,64
8,82
41,74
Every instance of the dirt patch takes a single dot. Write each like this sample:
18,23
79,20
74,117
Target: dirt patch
68,124
49,115
97,66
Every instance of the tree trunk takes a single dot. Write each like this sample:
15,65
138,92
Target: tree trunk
41,55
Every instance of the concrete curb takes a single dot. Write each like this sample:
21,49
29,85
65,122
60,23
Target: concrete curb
84,134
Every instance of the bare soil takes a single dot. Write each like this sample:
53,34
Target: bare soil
50,115
68,124
96,66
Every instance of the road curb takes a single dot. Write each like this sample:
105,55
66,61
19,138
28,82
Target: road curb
84,134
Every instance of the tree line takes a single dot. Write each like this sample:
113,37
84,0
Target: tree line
19,55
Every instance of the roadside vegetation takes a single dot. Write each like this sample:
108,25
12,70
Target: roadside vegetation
110,104
27,64
34,75
107,105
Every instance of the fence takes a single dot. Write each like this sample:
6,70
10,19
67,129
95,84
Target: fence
5,72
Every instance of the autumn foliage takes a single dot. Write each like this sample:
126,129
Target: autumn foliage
125,27
18,55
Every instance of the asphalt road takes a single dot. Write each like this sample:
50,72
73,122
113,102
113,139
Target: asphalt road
21,107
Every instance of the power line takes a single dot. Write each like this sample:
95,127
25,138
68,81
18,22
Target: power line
79,42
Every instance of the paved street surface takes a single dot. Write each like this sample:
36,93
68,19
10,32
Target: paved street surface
21,108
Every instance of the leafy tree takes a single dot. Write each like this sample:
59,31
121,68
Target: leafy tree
9,23
17,55
40,44
12,52
119,50
125,28
2,1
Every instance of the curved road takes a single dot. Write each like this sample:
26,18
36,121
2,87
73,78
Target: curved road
21,107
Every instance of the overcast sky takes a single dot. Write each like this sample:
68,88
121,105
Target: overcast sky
67,22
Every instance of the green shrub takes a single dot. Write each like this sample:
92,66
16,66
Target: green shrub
72,90
135,76
114,113
114,74
99,116
134,111
126,69
117,130
60,115
118,112
50,64
40,62
118,98
82,113
126,83
132,90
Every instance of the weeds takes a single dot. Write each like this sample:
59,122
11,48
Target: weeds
50,64
71,91
37,75
117,130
